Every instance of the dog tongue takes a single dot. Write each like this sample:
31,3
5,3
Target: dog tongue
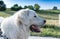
35,28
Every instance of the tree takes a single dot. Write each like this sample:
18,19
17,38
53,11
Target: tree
36,7
31,7
2,6
54,8
16,7
20,7
25,7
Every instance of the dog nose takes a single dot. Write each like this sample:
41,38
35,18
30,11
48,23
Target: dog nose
44,21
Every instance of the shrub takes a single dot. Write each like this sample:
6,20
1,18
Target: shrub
54,8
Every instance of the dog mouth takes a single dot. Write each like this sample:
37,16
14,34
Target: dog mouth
34,28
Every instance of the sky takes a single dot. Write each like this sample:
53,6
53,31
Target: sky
44,4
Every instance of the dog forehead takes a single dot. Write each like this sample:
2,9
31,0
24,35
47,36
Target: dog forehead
32,13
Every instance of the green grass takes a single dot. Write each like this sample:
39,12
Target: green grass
3,14
6,13
54,11
48,31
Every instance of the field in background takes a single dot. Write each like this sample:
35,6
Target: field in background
50,29
49,14
53,22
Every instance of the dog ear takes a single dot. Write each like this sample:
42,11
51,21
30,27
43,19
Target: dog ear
23,17
27,10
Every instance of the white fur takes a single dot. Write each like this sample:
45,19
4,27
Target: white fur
17,25
1,19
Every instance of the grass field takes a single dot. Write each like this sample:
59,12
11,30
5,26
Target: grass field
52,22
49,14
51,28
3,14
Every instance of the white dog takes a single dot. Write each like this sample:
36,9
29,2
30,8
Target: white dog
17,26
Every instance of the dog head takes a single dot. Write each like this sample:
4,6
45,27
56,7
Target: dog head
31,19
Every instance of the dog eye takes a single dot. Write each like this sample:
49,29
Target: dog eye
35,16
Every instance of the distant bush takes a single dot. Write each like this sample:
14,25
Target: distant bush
16,7
36,7
54,8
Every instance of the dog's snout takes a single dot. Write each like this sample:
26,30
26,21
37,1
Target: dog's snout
44,21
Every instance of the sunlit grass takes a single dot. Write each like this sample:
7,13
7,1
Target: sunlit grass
3,14
49,16
52,22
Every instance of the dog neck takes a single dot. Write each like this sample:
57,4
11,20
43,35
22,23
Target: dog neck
24,31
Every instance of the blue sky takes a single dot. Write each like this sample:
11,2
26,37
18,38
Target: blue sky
44,4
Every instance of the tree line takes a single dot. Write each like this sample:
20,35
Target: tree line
15,7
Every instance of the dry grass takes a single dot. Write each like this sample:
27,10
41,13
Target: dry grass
52,22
